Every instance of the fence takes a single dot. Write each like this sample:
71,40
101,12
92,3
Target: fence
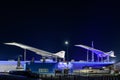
79,77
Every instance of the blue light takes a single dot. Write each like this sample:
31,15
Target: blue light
64,65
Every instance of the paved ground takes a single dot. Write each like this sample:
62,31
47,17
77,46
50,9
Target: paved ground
6,76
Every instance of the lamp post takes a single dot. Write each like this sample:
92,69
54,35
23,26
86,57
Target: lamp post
92,52
67,43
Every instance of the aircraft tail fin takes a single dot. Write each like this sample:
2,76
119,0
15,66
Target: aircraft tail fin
60,54
111,54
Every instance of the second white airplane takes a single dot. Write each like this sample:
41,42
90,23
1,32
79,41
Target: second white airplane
98,52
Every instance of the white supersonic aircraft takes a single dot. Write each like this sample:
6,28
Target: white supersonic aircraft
43,53
98,52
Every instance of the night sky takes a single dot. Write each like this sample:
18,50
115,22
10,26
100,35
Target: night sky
46,25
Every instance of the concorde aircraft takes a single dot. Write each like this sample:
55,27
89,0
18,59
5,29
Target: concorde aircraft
43,53
98,52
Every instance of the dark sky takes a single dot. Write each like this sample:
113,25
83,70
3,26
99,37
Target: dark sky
46,25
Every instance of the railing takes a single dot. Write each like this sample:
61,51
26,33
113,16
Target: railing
79,77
